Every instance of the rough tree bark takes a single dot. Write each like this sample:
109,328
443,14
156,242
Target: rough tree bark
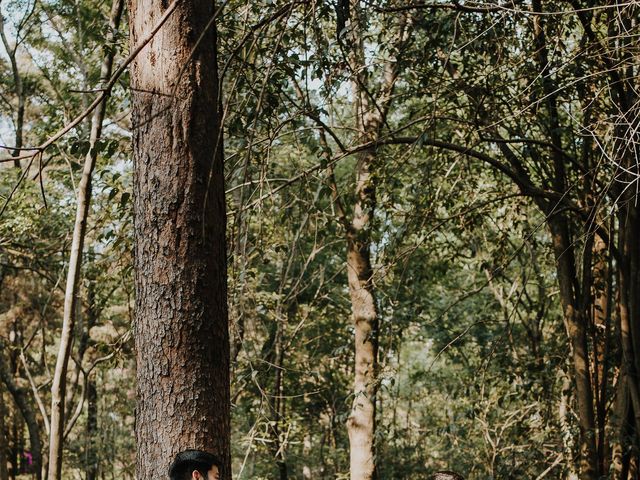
58,386
182,338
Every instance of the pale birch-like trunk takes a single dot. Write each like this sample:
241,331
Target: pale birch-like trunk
58,387
370,116
361,424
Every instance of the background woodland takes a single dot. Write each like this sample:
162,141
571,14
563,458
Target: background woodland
431,213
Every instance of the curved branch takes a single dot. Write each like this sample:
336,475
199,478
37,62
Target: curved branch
105,90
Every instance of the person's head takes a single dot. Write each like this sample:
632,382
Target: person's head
195,465
445,475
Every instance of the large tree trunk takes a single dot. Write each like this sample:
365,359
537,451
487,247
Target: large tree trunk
182,338
361,424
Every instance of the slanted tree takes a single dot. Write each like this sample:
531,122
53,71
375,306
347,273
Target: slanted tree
180,265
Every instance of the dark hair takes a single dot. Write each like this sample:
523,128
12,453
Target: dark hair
445,475
189,460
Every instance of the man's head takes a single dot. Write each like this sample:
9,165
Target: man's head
195,465
445,475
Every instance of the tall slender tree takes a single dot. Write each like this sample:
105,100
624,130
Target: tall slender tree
370,116
59,383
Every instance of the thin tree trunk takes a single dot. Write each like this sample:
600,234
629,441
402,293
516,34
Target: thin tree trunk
565,426
92,459
19,121
58,387
280,412
182,337
4,474
574,315
629,302
601,319
625,148
78,382
619,450
14,446
4,444
278,405
29,415
576,331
